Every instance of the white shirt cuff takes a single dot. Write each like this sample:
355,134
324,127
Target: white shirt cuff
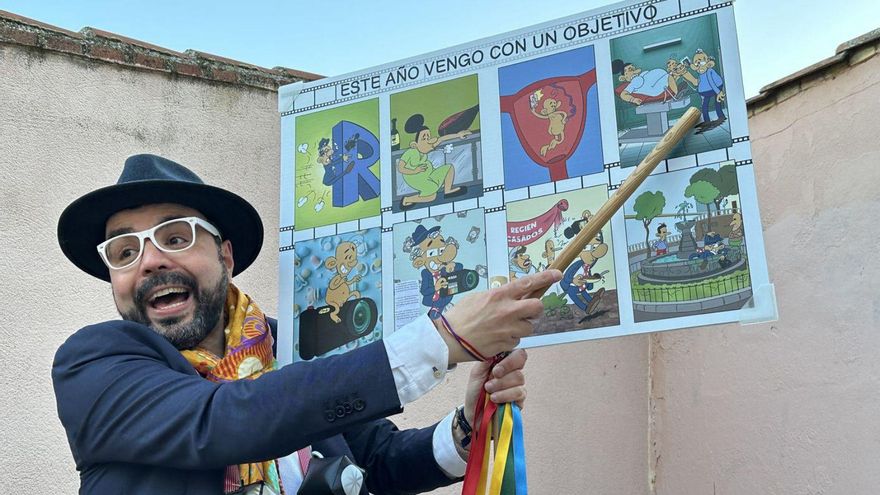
418,357
444,449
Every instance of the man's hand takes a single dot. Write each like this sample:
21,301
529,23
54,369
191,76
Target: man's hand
507,383
494,321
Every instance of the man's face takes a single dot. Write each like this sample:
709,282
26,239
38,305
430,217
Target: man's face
662,233
179,295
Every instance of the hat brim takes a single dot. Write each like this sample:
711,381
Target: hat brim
81,226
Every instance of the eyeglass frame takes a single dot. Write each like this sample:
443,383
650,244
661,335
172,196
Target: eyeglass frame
148,234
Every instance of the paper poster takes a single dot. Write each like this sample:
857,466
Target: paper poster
409,186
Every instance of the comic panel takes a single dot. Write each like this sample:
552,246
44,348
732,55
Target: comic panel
337,165
337,293
685,243
537,229
437,156
658,74
432,268
550,118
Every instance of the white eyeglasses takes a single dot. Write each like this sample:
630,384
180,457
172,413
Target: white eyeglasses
172,236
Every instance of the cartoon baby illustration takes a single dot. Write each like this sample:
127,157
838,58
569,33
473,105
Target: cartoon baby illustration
552,109
338,290
579,279
436,257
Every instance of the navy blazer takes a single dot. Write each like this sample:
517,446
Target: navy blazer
140,420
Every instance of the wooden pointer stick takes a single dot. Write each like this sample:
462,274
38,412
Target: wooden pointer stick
627,188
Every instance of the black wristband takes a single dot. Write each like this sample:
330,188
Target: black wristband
462,422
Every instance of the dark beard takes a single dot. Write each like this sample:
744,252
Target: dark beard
209,305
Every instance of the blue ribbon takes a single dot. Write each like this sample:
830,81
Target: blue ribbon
519,449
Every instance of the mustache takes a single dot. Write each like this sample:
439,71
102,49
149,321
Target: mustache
163,278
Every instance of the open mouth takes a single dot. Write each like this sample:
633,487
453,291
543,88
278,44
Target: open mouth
169,299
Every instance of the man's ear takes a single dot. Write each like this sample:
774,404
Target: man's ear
226,255
413,144
330,262
418,262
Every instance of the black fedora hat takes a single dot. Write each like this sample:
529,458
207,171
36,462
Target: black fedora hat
150,179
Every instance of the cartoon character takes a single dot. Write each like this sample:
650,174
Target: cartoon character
520,263
660,245
639,87
550,251
579,279
576,226
436,257
418,170
679,70
553,108
713,245
736,230
338,289
333,169
710,87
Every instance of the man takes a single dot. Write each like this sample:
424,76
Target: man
182,395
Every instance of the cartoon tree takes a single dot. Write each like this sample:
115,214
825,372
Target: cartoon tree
724,179
727,184
648,205
705,193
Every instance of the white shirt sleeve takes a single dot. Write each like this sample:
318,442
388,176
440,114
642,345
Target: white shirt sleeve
444,449
418,357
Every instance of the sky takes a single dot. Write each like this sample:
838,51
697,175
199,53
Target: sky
777,37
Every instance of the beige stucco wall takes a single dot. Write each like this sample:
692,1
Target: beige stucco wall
791,407
66,126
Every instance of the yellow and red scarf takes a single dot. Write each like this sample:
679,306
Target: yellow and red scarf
248,355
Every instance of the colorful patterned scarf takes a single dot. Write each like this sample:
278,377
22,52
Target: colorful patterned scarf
248,355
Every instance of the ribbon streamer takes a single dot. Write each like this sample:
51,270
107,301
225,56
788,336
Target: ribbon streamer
509,469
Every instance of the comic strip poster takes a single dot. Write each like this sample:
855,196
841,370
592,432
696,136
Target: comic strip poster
412,185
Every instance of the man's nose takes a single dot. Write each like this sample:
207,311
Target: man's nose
152,258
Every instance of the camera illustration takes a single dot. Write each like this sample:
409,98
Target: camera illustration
460,281
319,334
